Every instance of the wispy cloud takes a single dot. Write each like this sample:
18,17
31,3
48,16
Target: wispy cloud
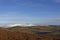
27,18
28,3
57,1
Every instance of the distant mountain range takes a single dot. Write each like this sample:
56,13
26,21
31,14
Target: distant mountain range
21,25
25,25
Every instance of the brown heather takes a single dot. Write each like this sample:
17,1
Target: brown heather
8,35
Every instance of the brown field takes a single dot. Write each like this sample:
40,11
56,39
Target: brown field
8,35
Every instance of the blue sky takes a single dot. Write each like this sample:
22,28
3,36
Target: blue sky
30,11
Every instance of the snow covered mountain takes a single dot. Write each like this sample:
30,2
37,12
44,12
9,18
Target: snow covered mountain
21,25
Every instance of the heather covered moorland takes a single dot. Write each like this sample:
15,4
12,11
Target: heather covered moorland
30,33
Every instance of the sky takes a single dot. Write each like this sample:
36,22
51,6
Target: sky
30,11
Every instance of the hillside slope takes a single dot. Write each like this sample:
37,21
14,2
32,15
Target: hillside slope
8,35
